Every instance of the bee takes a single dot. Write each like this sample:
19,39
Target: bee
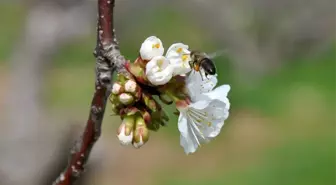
200,60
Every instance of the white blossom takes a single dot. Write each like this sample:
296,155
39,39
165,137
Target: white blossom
204,117
179,57
159,71
151,48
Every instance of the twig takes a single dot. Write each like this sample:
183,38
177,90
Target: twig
108,60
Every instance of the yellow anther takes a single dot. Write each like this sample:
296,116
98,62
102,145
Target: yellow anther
179,50
185,58
160,62
156,45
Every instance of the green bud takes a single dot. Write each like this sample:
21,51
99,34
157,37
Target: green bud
141,132
125,130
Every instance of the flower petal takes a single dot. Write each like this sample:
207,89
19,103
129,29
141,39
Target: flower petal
190,137
183,123
220,93
161,77
180,67
197,86
177,50
200,83
156,64
151,47
208,116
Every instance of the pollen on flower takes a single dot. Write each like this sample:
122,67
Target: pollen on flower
160,62
179,50
156,45
185,58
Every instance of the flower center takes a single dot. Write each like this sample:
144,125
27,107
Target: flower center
157,46
185,58
179,50
160,64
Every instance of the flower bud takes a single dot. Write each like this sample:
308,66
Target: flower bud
125,131
126,98
138,72
147,117
130,86
151,47
141,133
149,101
138,93
116,88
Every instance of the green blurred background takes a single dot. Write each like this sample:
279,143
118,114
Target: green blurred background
281,130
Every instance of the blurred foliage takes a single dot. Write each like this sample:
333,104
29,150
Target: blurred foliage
11,19
295,164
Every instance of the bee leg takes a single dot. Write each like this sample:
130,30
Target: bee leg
201,75
206,76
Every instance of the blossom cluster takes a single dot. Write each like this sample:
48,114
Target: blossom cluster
201,107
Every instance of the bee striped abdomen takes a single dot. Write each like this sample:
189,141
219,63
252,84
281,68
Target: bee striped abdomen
208,66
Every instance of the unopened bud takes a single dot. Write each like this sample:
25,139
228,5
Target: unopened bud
116,88
130,86
147,117
141,133
138,72
149,101
138,94
125,131
126,98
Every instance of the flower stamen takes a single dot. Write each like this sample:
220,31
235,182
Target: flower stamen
157,46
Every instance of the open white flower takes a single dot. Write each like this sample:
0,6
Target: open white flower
151,48
159,71
179,57
204,118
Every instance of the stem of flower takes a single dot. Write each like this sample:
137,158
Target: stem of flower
171,95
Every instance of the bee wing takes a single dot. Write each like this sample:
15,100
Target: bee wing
217,54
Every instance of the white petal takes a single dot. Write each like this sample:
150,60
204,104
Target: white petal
130,86
161,77
208,116
151,47
196,89
124,140
180,67
183,123
220,93
188,144
157,63
177,49
190,136
197,86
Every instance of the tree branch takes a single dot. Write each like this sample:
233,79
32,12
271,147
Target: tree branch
108,60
